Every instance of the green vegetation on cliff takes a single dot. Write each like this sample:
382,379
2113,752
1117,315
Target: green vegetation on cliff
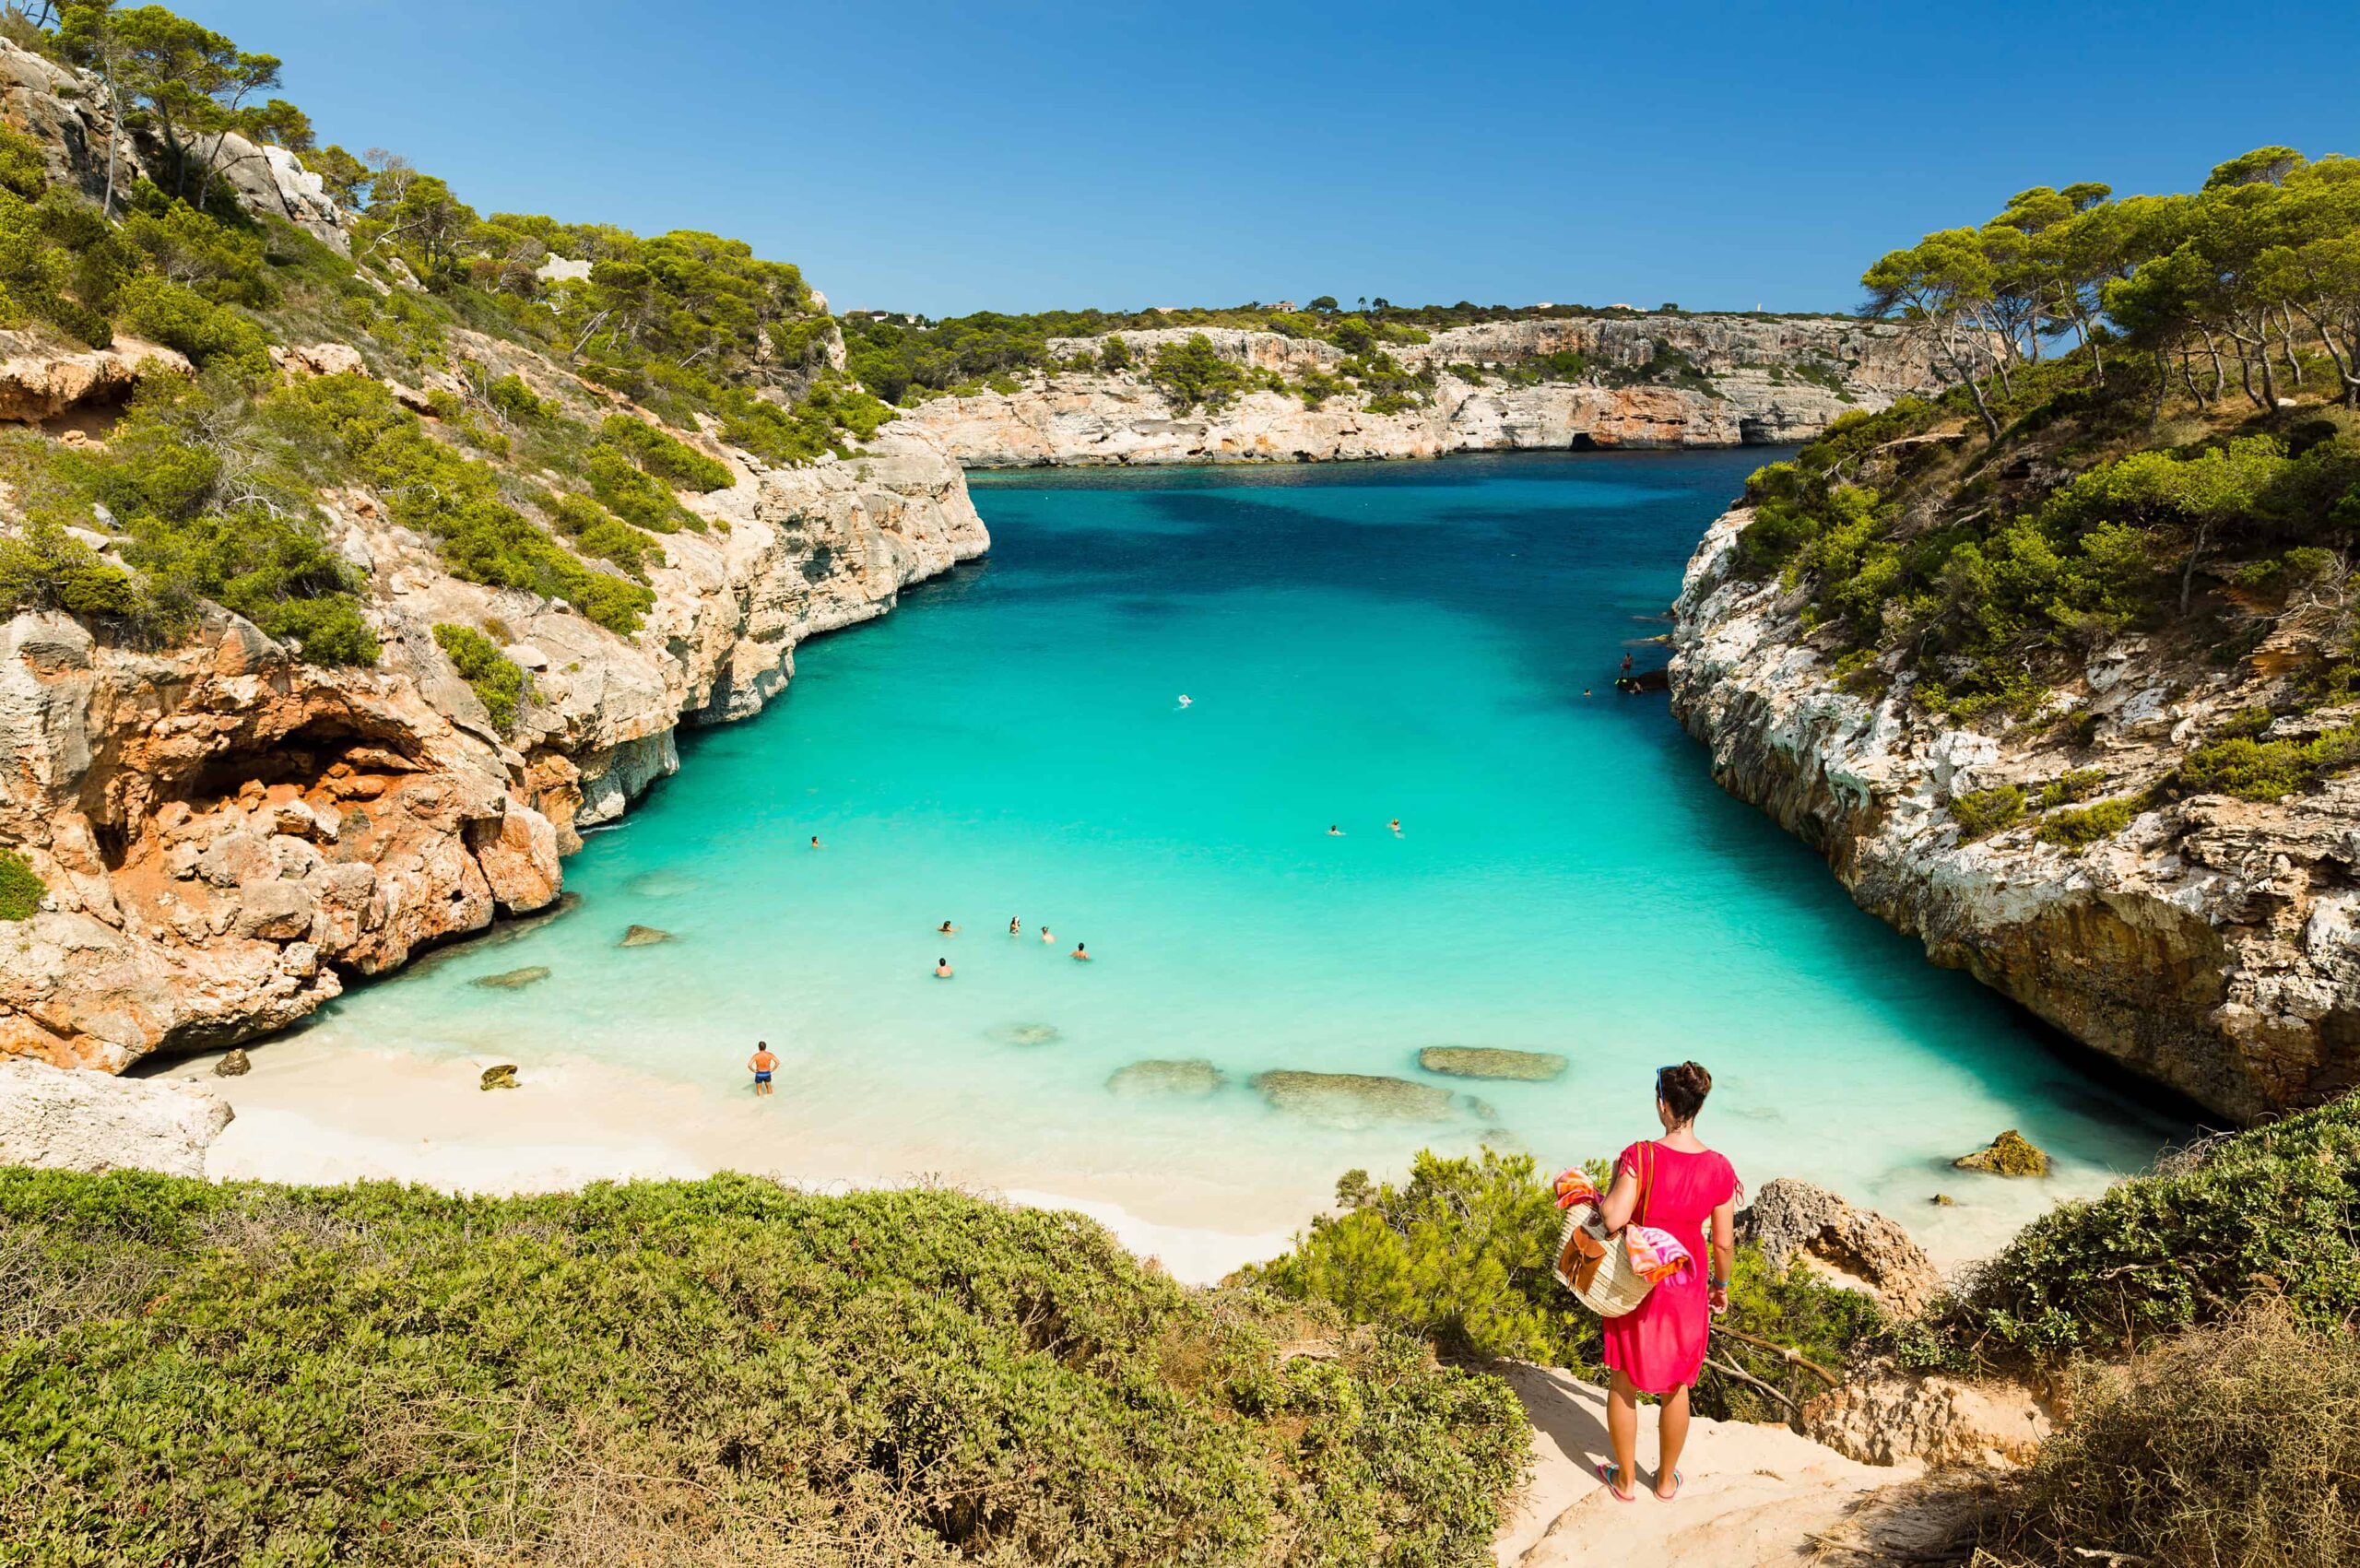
2190,472
209,489
719,1371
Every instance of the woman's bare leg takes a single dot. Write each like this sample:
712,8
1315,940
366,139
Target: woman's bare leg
1671,1436
1622,1429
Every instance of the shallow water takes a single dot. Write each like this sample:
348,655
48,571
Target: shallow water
1361,642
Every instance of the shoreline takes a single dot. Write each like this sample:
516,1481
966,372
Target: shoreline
310,1114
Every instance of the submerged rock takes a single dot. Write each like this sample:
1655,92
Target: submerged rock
1791,1220
501,1076
2011,1154
1192,1077
234,1065
75,1119
1029,1033
1353,1098
645,936
1492,1061
514,979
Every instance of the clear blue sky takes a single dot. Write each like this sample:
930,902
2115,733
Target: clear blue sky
942,157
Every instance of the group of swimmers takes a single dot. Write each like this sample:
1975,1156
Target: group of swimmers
942,969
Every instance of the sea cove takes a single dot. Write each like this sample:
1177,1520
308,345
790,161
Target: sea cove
1359,643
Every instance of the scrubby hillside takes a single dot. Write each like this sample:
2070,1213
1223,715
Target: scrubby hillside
712,1371
361,548
2057,668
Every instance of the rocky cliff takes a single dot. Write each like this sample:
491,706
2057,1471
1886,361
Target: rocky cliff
227,832
1740,379
2209,945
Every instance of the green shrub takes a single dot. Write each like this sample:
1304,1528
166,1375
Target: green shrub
20,891
2249,769
692,1371
2275,1210
498,682
636,496
2084,826
1982,812
2236,1443
515,400
2078,784
181,318
1192,374
1461,1253
674,462
597,532
268,566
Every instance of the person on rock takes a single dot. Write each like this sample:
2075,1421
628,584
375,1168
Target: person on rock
1675,1184
762,1064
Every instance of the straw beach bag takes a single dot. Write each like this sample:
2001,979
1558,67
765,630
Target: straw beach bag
1595,1265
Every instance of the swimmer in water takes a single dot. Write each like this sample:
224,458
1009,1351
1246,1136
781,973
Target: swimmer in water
1334,832
946,929
815,841
1396,826
1187,701
1081,952
1585,691
1015,927
1048,935
942,969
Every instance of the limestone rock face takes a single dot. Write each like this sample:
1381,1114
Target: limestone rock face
1770,381
41,376
1890,1417
1793,1219
2210,945
57,1120
69,113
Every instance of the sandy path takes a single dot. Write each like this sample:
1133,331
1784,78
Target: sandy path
1754,1495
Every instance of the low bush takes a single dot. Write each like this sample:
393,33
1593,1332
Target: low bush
2274,1210
1192,374
636,496
2234,1444
2070,787
672,461
706,1372
597,532
1460,1254
20,890
1982,812
2083,826
499,683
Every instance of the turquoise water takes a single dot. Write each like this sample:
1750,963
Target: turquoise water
1361,644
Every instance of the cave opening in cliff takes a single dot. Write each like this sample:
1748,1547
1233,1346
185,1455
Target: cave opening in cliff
1582,442
304,756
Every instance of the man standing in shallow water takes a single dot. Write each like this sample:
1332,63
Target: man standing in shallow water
762,1064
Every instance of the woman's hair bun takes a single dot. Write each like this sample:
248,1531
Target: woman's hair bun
1683,1088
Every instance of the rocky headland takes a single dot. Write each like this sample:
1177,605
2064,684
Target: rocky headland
2209,945
1741,380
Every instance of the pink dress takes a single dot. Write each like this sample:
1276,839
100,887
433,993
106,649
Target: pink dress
1660,1347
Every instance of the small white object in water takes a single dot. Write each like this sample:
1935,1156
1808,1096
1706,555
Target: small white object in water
1186,700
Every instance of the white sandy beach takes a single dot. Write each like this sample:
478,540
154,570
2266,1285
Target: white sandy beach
317,1114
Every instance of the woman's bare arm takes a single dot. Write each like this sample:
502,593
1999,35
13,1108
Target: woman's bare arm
1724,1249
1621,1200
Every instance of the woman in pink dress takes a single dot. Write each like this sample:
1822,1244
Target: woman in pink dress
1674,1184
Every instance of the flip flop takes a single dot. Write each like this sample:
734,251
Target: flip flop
1606,1472
1676,1478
